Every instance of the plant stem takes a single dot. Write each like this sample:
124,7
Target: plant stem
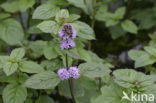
21,19
93,23
99,83
71,83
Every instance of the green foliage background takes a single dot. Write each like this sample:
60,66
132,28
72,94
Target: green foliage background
115,50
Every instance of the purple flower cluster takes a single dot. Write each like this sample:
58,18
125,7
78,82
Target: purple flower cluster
72,72
63,74
67,33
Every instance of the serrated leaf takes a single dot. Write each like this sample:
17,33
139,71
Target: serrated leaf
128,78
11,32
84,30
15,6
74,54
141,58
85,5
54,64
129,26
48,26
30,67
44,80
65,90
10,6
9,68
93,70
134,54
45,11
111,19
151,50
50,53
62,16
37,47
4,15
119,13
14,93
84,54
17,53
44,99
144,60
25,4
73,17
3,60
110,94
116,31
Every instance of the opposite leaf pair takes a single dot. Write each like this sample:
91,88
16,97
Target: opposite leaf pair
72,72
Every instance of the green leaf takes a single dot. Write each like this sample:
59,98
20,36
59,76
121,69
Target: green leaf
10,6
128,78
129,26
151,50
52,65
30,67
11,32
3,60
134,54
9,68
17,53
25,4
111,19
73,17
93,70
44,99
29,100
94,57
85,5
144,60
34,30
43,80
84,30
116,31
20,5
110,94
141,58
4,15
64,89
84,54
50,53
119,13
37,48
146,18
79,4
45,11
74,54
62,16
48,26
14,93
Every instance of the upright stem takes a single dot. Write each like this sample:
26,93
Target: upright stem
93,22
71,83
99,83
21,19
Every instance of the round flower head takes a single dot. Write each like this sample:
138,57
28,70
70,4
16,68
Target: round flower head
67,32
74,72
63,74
66,44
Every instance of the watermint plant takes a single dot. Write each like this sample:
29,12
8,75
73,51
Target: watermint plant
77,51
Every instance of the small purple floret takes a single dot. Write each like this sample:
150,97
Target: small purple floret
63,74
66,44
67,32
74,72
